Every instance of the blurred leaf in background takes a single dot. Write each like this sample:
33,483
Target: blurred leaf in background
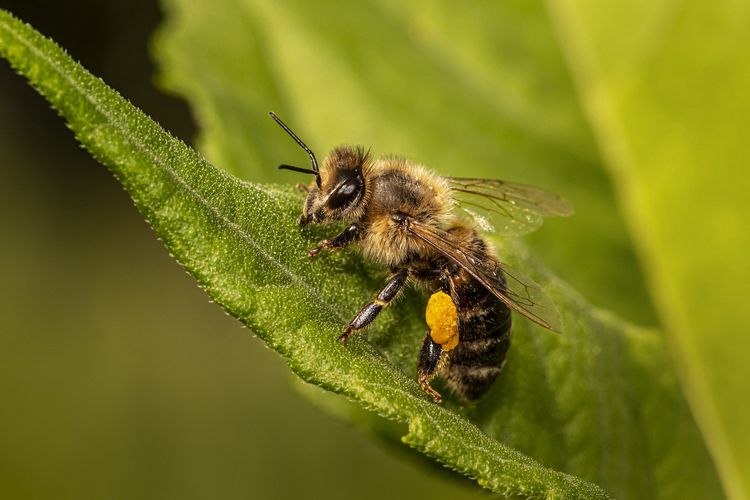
481,90
665,85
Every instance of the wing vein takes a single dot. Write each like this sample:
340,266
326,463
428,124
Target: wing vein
510,286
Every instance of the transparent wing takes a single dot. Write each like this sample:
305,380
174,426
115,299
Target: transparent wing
506,206
510,286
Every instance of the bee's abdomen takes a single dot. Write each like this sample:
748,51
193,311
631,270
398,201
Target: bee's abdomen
484,331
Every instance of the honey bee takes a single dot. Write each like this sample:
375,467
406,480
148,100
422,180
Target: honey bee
426,229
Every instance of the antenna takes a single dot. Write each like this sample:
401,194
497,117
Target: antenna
296,169
315,169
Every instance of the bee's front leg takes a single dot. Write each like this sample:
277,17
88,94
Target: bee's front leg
342,239
367,314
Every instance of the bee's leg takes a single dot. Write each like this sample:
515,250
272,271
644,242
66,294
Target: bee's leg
367,314
302,187
342,239
431,360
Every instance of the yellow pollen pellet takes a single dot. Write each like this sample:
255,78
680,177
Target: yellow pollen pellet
442,318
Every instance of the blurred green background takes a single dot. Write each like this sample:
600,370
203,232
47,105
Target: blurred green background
119,379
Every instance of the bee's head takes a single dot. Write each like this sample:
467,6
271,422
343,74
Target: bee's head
338,193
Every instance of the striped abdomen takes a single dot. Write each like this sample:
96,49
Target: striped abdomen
484,332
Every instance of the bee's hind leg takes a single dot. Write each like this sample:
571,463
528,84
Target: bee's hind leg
432,357
441,316
367,314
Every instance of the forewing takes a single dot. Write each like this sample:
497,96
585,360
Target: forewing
510,286
506,207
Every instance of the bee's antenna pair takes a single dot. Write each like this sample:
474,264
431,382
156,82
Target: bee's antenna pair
315,171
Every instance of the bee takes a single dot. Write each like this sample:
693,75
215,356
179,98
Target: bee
426,229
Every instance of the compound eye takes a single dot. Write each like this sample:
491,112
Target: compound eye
345,194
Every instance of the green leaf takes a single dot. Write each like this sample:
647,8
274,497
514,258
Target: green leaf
598,401
666,85
240,242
